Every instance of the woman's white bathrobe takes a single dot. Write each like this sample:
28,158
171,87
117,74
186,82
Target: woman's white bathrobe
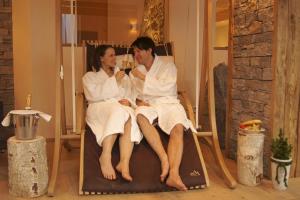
105,115
160,90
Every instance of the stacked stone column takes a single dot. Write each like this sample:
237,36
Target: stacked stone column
252,71
6,56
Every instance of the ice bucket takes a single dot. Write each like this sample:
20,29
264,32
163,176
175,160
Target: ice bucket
25,123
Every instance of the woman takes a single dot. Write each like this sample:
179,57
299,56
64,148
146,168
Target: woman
109,114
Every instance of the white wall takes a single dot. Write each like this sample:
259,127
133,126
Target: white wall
221,40
79,72
120,14
182,21
221,35
34,57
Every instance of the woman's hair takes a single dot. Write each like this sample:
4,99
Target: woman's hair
144,43
100,52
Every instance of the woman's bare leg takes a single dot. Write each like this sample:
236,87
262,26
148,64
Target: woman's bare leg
126,147
175,150
154,141
105,157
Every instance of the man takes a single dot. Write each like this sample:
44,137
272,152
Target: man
155,85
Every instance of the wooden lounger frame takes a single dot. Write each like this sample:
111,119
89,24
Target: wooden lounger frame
211,136
61,134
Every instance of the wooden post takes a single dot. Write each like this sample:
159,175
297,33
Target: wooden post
59,123
229,80
287,72
298,146
27,167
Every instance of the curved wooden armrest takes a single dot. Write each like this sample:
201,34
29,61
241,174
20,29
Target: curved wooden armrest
185,101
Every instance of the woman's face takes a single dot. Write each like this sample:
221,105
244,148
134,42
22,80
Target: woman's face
109,58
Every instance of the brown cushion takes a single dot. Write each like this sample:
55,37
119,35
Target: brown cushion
144,167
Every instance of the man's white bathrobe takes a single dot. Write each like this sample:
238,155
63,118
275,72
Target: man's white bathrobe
160,90
105,115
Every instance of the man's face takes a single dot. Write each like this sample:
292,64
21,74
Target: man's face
142,56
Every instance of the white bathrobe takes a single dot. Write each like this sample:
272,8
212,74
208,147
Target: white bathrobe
160,90
105,115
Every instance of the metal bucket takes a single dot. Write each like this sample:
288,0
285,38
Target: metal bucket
25,125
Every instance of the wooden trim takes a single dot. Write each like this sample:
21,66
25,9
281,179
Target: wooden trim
297,173
189,109
274,77
81,163
221,48
203,134
211,105
293,85
70,137
229,80
204,66
187,105
166,22
57,144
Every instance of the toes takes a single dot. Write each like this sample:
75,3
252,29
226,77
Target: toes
127,177
163,177
176,183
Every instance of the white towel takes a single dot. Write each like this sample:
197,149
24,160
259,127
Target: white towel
6,120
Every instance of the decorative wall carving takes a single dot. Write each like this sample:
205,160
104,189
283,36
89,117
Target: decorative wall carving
153,20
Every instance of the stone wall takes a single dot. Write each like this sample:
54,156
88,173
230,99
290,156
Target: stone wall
6,56
252,70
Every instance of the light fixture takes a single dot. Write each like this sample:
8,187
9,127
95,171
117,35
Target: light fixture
133,26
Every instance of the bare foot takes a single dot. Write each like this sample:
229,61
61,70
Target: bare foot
106,167
176,182
124,170
164,168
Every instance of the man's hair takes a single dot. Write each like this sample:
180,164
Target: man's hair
144,43
100,52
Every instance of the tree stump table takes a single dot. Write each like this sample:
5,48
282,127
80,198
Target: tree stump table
27,167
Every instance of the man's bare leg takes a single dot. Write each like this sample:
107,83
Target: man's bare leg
175,150
154,141
105,157
126,147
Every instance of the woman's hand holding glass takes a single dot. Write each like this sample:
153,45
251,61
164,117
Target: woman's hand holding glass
119,75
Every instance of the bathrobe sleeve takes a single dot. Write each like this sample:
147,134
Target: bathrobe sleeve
97,89
162,82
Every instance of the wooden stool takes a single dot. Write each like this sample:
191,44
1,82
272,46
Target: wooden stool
27,167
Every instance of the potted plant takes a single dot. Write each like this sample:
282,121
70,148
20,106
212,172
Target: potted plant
281,161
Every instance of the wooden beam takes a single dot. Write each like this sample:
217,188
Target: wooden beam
204,66
58,112
229,80
286,59
297,174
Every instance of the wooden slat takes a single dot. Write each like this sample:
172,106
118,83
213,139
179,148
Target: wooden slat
203,134
204,66
70,137
58,124
189,109
298,146
229,80
81,165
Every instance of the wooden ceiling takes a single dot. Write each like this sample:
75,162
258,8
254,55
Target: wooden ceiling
99,7
222,12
